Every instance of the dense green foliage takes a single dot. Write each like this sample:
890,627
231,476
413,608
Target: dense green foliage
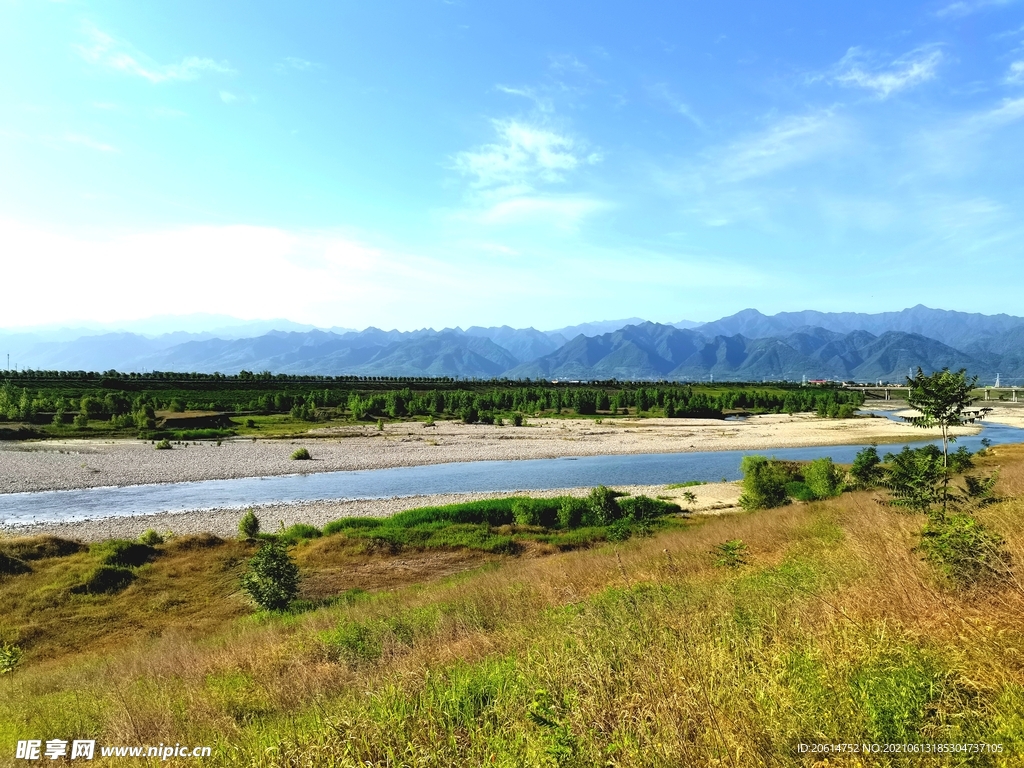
67,401
823,478
249,525
499,525
867,471
764,482
272,580
301,454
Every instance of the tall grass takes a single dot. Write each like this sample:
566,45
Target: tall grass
642,653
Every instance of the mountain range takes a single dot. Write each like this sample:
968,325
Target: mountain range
747,346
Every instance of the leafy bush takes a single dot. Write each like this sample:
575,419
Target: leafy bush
571,511
10,658
867,470
964,550
250,423
524,513
298,532
730,554
249,525
517,419
151,538
799,490
602,508
272,580
764,482
105,580
824,478
961,460
644,508
351,524
301,454
913,477
164,445
124,553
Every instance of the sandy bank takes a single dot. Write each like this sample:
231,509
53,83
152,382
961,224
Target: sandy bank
68,464
712,498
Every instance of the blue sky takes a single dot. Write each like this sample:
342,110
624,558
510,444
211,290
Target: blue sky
441,163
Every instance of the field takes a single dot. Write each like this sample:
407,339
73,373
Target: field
658,650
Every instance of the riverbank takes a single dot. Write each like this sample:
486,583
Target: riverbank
72,464
709,498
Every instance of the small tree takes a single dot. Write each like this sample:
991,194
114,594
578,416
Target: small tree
249,525
867,467
10,658
941,399
273,577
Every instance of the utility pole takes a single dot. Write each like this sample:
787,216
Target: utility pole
997,381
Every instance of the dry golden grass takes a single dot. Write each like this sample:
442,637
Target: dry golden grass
643,653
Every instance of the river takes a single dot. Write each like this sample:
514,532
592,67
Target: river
469,477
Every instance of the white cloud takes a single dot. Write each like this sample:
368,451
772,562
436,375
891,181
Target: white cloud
1015,75
228,97
88,142
662,92
523,156
543,103
861,69
105,51
962,8
790,141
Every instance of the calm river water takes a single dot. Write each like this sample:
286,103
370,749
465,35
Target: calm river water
469,477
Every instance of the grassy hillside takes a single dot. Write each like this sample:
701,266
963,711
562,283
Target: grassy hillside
629,653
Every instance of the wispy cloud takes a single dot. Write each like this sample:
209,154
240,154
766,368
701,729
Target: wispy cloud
789,141
81,140
228,97
103,50
543,103
1015,75
663,93
524,155
295,63
864,69
962,8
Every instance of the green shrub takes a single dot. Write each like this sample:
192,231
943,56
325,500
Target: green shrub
602,509
249,525
524,513
272,580
124,553
964,550
764,482
961,460
517,419
105,580
301,454
351,524
298,532
867,470
571,511
164,445
730,554
644,508
798,490
10,658
824,478
250,423
151,538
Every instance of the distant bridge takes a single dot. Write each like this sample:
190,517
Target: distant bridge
883,392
